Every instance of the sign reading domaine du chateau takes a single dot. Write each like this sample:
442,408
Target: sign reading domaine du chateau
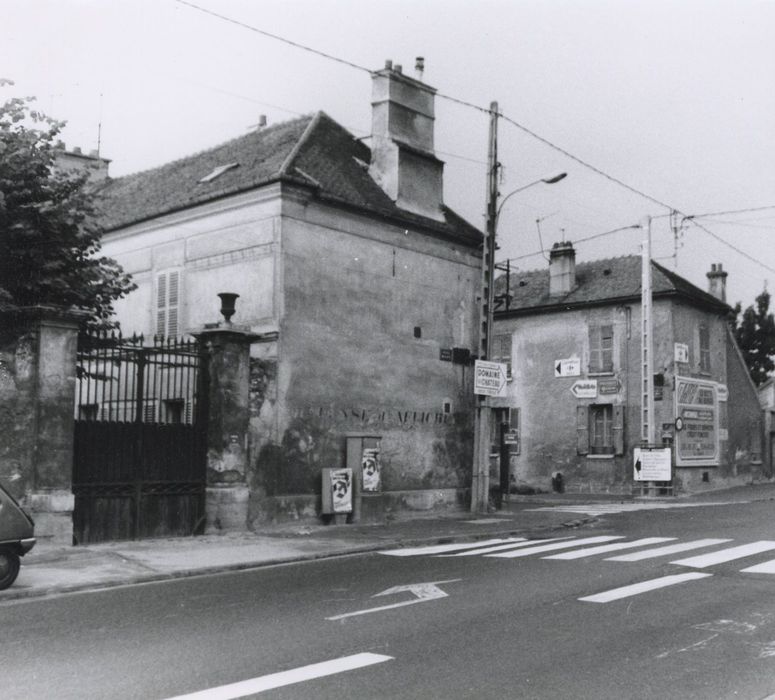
489,378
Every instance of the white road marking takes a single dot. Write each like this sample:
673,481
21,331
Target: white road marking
642,587
614,508
439,548
278,680
557,545
423,592
665,551
500,547
724,555
767,567
603,548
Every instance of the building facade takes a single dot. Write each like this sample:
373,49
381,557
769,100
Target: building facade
354,279
573,414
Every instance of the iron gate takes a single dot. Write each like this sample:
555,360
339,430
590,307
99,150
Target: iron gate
140,448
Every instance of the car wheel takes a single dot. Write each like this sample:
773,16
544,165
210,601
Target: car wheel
9,567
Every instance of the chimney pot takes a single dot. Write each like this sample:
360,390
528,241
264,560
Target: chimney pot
419,66
398,68
261,121
77,150
388,64
717,282
562,269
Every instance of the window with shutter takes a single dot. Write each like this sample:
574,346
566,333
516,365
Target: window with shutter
601,348
501,351
704,343
168,304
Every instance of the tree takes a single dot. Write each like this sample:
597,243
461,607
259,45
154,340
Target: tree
754,330
49,236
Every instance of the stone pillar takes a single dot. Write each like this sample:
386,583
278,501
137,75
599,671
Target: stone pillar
37,391
228,349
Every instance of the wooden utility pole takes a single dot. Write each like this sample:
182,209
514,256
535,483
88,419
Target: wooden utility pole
480,482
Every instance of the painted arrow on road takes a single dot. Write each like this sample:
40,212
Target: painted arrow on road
423,592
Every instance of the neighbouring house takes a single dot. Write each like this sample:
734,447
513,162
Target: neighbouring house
358,284
571,335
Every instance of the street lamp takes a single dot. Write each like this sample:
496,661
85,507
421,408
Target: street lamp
480,487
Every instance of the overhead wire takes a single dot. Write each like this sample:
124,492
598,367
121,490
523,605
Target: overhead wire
509,120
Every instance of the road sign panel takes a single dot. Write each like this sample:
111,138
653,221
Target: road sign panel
489,378
584,388
569,367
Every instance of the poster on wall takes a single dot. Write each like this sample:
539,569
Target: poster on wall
341,490
371,472
697,440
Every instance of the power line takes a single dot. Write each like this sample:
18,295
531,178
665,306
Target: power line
273,36
575,242
509,120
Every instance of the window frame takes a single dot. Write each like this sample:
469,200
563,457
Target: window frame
601,358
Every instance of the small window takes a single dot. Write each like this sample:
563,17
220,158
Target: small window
88,411
704,343
601,349
501,351
168,304
216,172
601,441
173,411
600,429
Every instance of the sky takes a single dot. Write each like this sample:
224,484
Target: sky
648,105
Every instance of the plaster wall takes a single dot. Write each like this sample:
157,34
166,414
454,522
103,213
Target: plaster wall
354,294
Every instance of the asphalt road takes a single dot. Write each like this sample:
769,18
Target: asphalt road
508,627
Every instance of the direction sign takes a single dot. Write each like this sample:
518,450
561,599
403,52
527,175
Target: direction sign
570,367
489,378
585,388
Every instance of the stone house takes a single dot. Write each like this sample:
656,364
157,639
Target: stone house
572,337
357,284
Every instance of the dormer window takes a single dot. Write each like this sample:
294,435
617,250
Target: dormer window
220,170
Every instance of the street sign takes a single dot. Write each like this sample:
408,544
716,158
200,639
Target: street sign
609,386
489,378
722,392
584,388
570,367
652,465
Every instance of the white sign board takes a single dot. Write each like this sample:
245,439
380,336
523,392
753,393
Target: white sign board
722,392
570,367
681,352
489,378
584,388
652,465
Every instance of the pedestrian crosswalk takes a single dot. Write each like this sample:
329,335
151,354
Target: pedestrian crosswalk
571,548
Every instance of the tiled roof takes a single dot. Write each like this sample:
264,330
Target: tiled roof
313,150
598,282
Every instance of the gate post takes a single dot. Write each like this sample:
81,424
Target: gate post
228,358
37,391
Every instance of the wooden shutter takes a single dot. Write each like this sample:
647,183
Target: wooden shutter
618,429
582,430
168,303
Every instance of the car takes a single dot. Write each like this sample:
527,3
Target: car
17,531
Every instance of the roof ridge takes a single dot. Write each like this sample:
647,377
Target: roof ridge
313,123
208,149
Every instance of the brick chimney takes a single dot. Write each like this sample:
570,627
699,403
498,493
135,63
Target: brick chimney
562,269
402,159
77,161
717,282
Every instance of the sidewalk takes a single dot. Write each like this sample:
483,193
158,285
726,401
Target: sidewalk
49,570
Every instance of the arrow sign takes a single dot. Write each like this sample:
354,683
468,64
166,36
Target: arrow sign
423,592
570,367
585,388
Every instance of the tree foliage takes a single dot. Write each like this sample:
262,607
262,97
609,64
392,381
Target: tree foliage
49,236
755,333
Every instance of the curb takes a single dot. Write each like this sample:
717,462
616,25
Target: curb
139,579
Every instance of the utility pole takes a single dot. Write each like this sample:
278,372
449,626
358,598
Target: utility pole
480,482
648,433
